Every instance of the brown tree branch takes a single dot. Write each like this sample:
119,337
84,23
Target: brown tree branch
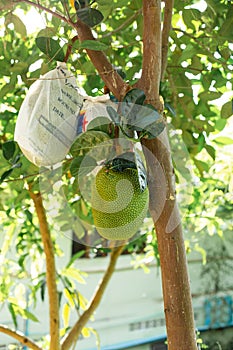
50,271
151,64
19,337
105,69
163,205
165,33
74,333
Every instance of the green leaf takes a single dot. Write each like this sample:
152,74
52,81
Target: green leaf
83,210
5,174
28,315
100,124
134,96
145,119
223,140
190,15
8,149
123,161
211,151
90,140
220,124
210,95
81,4
226,29
47,32
42,290
51,48
90,16
13,314
74,258
19,26
87,164
201,166
23,312
93,45
227,110
115,117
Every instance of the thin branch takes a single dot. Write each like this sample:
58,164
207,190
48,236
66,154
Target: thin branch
165,33
50,271
46,9
74,333
124,24
69,48
19,337
151,64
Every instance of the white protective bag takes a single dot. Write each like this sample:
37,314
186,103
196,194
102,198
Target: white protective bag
94,107
48,118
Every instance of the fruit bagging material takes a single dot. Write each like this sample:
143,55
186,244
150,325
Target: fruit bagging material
47,122
54,112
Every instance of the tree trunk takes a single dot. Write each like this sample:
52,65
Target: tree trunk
164,211
163,206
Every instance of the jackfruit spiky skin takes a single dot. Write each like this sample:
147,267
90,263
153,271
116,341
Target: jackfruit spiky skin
118,205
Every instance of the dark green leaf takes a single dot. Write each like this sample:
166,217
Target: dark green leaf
170,109
13,314
42,290
29,215
81,3
123,161
93,45
51,48
134,96
5,175
8,149
129,160
115,117
90,16
145,119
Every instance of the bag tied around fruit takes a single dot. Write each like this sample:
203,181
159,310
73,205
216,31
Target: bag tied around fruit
53,114
48,118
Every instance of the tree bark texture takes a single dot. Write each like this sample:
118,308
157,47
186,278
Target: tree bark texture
163,206
50,271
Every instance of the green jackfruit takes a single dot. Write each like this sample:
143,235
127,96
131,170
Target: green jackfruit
118,204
